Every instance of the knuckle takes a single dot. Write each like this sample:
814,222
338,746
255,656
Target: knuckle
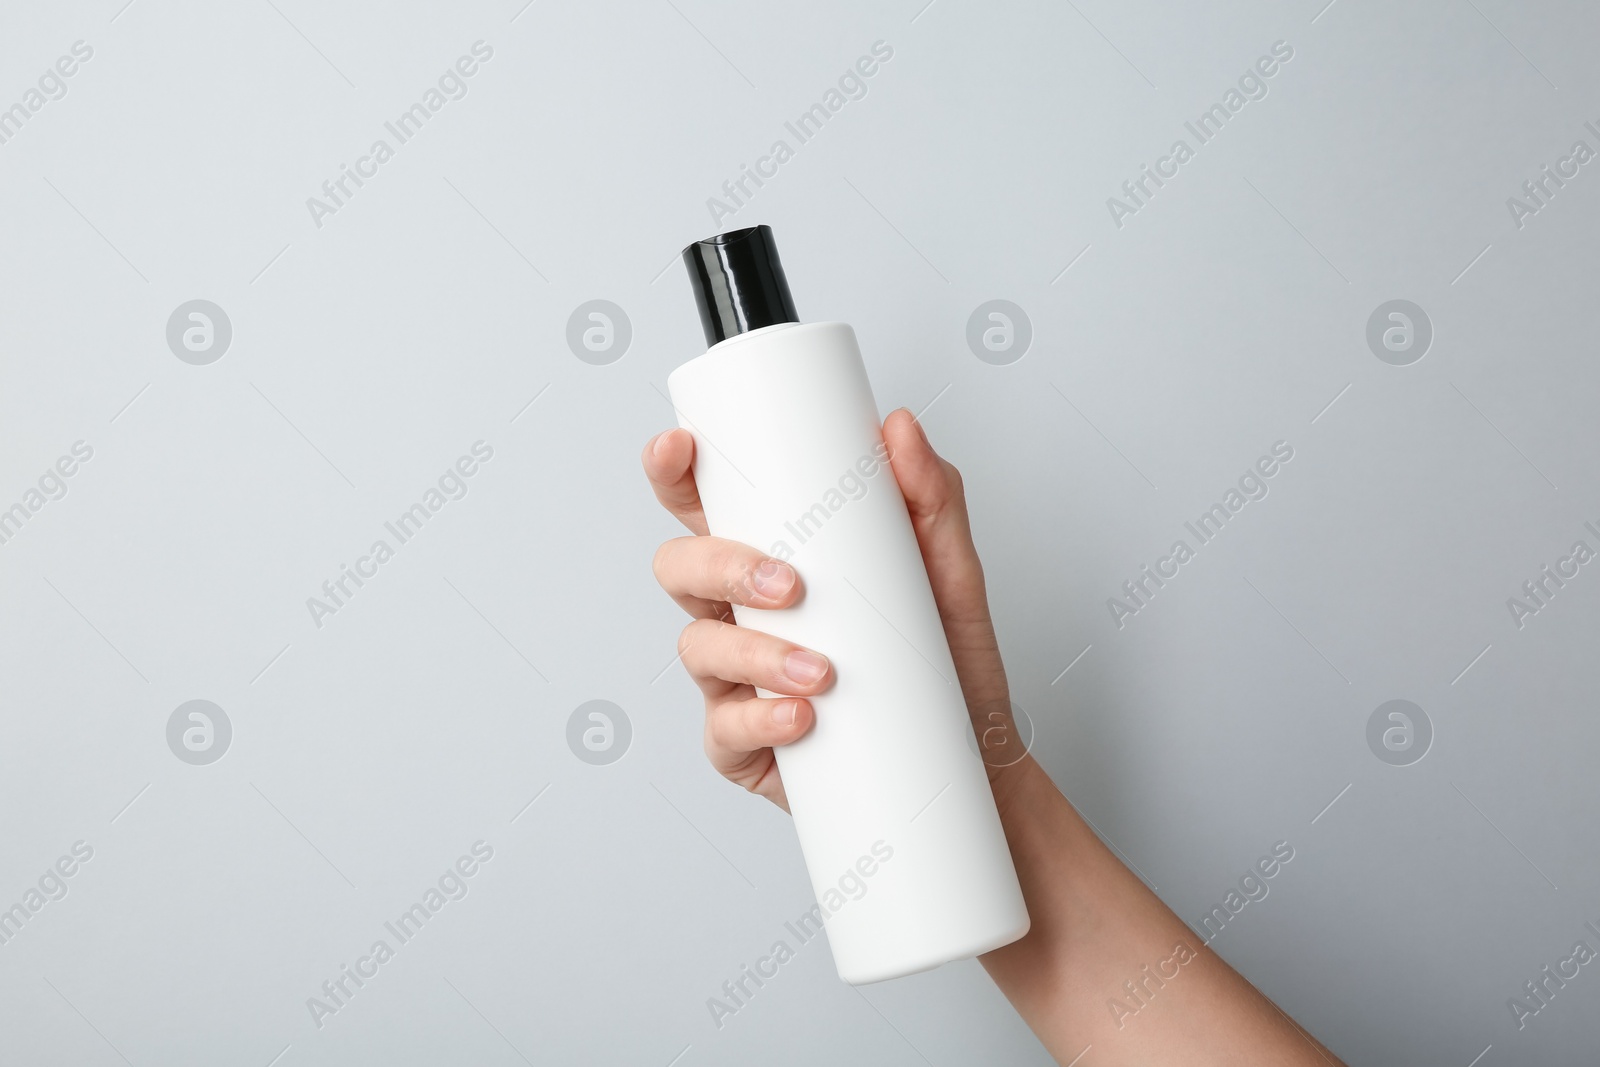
716,735
711,740
731,571
749,649
658,562
957,486
690,637
711,647
724,726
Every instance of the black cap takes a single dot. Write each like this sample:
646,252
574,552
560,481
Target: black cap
738,283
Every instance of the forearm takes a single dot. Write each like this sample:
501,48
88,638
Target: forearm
1108,965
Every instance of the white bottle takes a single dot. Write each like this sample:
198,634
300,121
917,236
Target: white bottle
890,798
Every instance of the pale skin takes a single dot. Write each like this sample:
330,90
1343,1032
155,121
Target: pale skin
1095,925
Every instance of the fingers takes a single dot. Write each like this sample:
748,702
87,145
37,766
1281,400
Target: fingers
740,735
736,728
669,464
938,506
703,573
720,657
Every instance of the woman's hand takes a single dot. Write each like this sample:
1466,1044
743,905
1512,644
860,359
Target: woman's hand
1096,927
706,575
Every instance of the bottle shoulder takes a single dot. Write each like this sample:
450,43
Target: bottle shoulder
766,342
791,331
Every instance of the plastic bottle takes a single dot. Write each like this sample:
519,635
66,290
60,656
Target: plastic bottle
890,798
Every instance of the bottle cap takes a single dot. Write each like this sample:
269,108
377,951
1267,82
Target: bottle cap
738,283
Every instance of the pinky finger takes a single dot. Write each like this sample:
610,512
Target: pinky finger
737,728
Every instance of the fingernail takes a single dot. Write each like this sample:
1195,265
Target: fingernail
783,712
659,443
773,579
805,667
920,431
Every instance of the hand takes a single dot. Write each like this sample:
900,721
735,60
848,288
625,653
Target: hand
706,574
1093,920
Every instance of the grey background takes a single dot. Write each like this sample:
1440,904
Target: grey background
369,354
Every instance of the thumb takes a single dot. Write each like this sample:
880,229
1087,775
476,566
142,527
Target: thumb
937,504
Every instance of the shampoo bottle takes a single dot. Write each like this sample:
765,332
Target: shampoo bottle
891,800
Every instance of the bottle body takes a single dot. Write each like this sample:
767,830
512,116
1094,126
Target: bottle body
890,798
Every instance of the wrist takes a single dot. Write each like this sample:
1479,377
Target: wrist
1019,789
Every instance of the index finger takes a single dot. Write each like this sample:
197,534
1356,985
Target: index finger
669,464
